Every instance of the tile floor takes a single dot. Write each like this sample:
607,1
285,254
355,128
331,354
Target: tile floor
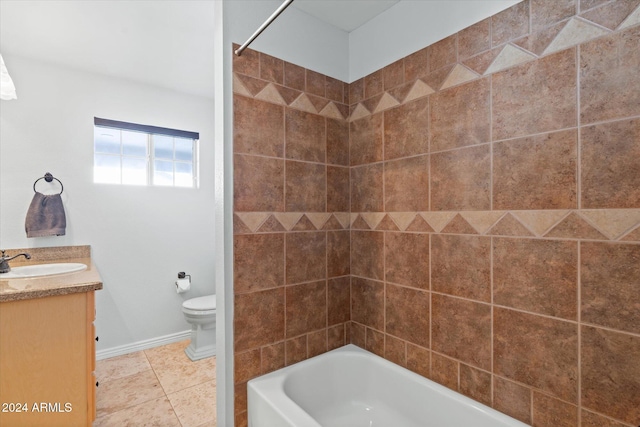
156,387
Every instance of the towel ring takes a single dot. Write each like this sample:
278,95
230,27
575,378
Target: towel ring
48,177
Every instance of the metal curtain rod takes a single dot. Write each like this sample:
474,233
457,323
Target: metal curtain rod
263,27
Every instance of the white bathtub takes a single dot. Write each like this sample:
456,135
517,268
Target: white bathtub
351,387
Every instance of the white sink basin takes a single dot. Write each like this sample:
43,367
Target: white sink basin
40,270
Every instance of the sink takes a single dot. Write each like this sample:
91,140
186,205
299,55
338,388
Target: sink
39,270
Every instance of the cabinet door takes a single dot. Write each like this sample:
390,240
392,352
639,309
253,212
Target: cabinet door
43,361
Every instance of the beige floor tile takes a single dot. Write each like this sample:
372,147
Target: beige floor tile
196,405
154,413
176,371
121,366
115,395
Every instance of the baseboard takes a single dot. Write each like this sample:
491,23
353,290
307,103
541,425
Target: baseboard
142,345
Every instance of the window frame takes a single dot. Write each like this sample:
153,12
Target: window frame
150,157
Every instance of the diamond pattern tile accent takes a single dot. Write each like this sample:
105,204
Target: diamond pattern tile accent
508,57
540,221
318,219
271,94
387,224
575,32
359,112
509,226
387,101
304,225
271,225
418,90
613,14
344,218
239,87
574,226
253,220
333,224
419,224
254,86
459,225
402,219
633,236
373,218
633,19
288,219
360,224
481,221
481,62
437,220
460,74
303,103
537,42
352,218
613,222
332,112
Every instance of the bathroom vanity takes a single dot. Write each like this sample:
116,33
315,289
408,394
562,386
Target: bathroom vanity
47,343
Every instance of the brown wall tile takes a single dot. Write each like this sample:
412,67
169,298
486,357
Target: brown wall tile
537,351
306,256
316,83
512,399
462,329
295,350
443,52
367,254
271,68
258,184
339,300
337,142
366,188
589,419
609,83
338,189
248,63
356,91
460,116
406,259
246,365
266,139
407,314
365,143
336,337
475,383
444,371
610,168
537,172
306,308
258,319
536,275
406,129
406,184
460,179
294,76
611,374
474,39
367,302
610,278
338,253
317,343
393,75
375,342
305,187
551,412
534,97
419,360
416,65
373,84
510,23
545,13
305,136
258,262
461,266
395,350
335,89
272,357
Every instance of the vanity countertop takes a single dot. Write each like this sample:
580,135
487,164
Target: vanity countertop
59,284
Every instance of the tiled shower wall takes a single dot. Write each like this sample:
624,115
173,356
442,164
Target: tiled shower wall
493,199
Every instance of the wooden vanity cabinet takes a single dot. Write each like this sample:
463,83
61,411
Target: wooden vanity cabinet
47,361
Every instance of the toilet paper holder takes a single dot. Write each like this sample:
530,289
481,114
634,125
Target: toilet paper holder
182,275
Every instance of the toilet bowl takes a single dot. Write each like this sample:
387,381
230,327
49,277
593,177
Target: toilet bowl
200,313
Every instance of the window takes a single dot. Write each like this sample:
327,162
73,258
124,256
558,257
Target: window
129,153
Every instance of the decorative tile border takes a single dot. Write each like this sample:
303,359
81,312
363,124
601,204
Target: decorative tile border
587,224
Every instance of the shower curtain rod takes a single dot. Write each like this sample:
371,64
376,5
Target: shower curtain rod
266,23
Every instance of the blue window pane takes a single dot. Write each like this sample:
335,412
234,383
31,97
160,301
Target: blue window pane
106,169
106,140
184,175
163,146
134,143
184,149
134,171
163,172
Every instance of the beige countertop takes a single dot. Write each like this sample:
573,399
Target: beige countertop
45,286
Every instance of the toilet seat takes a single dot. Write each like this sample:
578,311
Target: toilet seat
200,305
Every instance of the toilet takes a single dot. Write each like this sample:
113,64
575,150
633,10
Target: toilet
200,313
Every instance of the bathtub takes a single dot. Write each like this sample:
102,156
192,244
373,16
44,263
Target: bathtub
351,387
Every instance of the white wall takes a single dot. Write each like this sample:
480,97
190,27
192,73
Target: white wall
140,236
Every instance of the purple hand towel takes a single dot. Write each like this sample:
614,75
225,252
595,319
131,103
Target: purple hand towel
46,216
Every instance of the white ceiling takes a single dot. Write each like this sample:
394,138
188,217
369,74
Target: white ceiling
344,14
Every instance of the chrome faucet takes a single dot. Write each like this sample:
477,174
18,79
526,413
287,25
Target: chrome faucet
4,261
